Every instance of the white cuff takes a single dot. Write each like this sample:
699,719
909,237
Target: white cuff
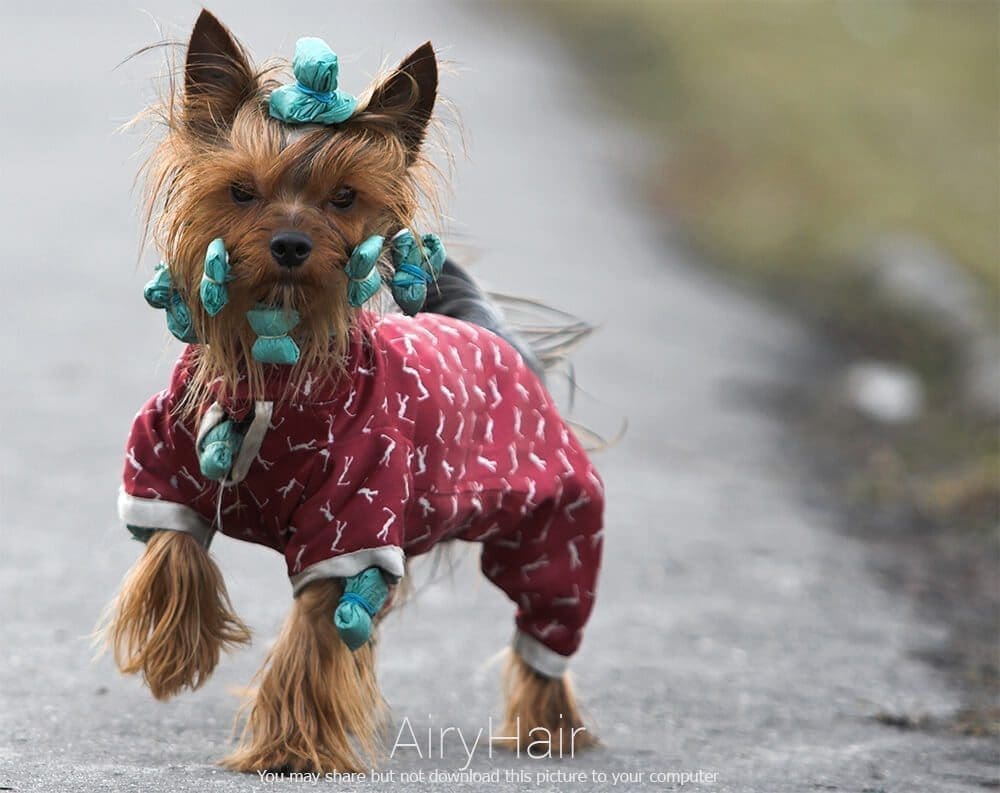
389,558
151,513
546,662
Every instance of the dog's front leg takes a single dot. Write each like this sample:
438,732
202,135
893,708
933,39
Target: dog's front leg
173,616
318,706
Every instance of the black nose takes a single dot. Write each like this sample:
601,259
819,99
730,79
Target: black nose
290,248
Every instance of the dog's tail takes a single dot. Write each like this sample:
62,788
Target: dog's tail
543,336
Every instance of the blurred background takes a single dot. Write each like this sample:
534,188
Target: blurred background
843,159
782,217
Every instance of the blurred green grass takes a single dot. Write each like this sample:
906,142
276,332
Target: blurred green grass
790,138
795,133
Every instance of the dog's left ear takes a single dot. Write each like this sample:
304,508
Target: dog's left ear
407,97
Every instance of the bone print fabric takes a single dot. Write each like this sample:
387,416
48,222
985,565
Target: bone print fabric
440,432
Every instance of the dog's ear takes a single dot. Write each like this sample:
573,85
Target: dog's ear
218,76
406,97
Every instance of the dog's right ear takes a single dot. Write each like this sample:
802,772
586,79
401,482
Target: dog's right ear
218,77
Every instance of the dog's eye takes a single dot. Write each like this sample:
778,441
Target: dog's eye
343,197
241,195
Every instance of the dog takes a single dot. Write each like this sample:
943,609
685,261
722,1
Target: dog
345,438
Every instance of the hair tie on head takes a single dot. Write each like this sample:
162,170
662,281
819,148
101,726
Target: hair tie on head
365,278
214,294
313,98
416,266
273,344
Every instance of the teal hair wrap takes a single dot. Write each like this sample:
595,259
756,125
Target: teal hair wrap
214,294
364,276
218,449
159,288
416,266
139,533
179,321
160,293
409,288
314,97
273,344
362,290
435,253
363,598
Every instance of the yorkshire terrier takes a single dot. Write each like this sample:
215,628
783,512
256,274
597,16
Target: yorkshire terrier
346,438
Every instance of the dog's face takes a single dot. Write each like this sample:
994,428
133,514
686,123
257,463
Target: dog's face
290,202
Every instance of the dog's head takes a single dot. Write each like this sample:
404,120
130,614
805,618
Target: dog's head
290,202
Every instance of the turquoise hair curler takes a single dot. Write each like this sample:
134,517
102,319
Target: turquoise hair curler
314,97
159,292
363,598
273,344
364,277
179,321
214,294
159,288
416,266
218,449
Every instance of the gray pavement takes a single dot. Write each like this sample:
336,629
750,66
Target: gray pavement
736,632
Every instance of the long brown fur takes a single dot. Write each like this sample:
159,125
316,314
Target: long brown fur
219,134
173,616
314,695
317,706
540,708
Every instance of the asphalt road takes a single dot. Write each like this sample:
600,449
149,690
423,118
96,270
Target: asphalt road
736,634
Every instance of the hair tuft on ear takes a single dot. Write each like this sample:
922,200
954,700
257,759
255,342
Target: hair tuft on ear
407,96
218,76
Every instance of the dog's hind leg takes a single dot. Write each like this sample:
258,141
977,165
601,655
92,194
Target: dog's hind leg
540,711
549,567
173,617
455,294
317,706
